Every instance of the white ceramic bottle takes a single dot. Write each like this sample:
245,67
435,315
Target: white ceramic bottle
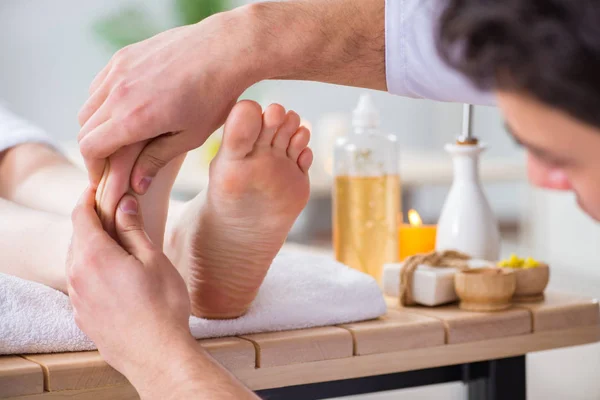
467,223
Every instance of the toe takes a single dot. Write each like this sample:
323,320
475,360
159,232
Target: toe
282,137
298,142
115,183
241,129
305,160
273,117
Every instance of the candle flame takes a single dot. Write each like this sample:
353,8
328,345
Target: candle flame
414,218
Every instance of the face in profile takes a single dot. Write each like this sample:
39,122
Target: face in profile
563,152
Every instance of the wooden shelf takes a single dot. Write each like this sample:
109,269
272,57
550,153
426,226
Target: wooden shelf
405,339
301,346
396,331
467,326
562,311
19,377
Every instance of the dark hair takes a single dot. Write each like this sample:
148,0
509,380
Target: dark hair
549,49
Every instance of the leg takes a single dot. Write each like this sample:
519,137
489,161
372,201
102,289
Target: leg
226,238
36,176
34,244
31,169
38,190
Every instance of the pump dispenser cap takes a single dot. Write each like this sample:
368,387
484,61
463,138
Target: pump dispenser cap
365,114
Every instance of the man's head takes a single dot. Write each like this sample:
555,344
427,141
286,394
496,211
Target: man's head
542,58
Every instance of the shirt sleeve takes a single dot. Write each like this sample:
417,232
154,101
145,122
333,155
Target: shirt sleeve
413,65
15,131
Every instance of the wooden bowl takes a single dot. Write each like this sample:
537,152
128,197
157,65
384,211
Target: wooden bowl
485,289
531,283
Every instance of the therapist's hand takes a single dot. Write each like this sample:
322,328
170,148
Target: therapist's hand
134,305
176,88
129,300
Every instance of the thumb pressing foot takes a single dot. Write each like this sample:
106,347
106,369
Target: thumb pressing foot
130,228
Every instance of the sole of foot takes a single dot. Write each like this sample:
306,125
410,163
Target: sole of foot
225,240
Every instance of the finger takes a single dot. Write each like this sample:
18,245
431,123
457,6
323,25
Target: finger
130,229
94,163
87,229
100,78
114,132
158,153
91,106
95,170
99,116
84,209
74,246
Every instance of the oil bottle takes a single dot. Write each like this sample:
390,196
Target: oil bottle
366,194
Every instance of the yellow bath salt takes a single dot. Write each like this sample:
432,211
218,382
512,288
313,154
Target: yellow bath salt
515,262
530,263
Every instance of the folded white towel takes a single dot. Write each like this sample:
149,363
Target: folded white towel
300,291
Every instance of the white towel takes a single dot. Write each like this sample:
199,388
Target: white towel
300,291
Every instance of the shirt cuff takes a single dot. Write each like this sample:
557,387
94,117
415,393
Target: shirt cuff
413,65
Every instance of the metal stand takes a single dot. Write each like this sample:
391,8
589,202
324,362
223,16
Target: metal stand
502,379
496,379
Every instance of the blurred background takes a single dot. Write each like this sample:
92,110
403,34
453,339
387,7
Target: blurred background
52,50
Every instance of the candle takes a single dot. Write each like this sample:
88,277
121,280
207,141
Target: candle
415,238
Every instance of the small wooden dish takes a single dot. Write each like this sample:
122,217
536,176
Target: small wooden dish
531,283
485,289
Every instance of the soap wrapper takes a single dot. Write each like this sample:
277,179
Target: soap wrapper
432,286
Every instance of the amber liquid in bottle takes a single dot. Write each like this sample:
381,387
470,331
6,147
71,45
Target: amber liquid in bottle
365,221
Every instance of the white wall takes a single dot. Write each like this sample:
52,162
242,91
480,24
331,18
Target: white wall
50,55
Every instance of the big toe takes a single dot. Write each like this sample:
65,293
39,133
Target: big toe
241,129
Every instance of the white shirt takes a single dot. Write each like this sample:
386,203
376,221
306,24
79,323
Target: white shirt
14,131
413,65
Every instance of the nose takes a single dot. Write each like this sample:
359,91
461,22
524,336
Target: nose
547,177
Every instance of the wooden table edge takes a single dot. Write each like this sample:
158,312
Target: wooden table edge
409,360
378,364
105,392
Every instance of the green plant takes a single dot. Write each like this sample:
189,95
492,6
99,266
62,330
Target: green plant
133,24
192,11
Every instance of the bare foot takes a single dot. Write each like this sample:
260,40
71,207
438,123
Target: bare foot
225,240
154,204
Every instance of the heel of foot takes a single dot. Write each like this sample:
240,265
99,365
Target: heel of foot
208,313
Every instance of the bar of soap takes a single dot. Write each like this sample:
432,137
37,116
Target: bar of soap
431,286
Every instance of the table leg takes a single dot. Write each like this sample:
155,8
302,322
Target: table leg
503,379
